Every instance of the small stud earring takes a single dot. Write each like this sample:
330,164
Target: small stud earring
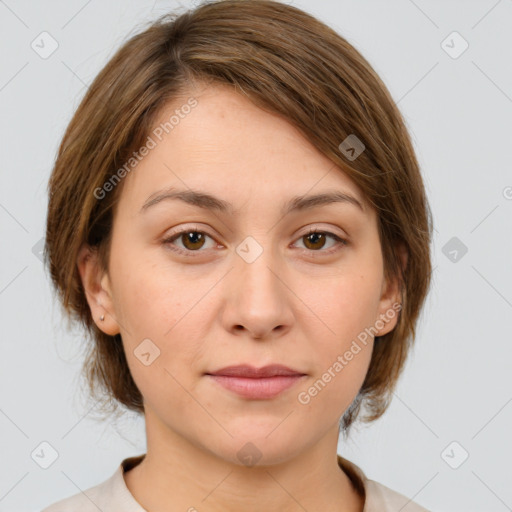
102,317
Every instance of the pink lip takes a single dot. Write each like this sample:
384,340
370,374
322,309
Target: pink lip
257,388
256,383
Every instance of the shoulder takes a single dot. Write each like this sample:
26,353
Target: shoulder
108,496
379,498
87,501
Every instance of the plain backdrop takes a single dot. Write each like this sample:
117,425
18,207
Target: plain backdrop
443,441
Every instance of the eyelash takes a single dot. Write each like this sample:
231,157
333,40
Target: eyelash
341,242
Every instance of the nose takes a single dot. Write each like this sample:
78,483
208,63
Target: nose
257,298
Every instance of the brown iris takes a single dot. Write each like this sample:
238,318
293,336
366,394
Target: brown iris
314,239
193,240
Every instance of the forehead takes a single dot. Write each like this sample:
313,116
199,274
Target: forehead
228,146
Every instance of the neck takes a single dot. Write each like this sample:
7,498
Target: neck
187,477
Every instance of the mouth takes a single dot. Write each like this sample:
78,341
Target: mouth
257,383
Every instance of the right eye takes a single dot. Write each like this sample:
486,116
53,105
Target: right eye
191,239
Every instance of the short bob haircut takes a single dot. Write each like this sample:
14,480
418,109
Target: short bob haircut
286,62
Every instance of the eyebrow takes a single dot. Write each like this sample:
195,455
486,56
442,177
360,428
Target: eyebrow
210,202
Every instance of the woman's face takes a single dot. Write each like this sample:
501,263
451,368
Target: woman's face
246,283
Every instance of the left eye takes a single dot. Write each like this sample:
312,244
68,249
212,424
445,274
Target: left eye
315,240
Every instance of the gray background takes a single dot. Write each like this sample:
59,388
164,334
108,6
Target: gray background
457,384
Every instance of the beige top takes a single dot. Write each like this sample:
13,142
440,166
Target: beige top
112,495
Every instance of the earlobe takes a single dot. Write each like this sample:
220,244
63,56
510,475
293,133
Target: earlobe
96,284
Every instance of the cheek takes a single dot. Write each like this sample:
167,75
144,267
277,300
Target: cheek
161,317
345,306
151,297
345,309
340,371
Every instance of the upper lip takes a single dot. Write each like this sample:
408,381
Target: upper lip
248,371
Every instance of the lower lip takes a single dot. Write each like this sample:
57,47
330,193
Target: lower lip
262,388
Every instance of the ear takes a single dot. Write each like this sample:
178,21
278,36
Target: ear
98,292
391,300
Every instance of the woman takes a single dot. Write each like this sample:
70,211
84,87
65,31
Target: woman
237,217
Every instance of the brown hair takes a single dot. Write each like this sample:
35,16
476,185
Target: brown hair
286,62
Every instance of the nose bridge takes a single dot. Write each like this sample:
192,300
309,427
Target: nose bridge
258,298
258,279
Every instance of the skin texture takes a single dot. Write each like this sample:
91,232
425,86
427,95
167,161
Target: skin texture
299,304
